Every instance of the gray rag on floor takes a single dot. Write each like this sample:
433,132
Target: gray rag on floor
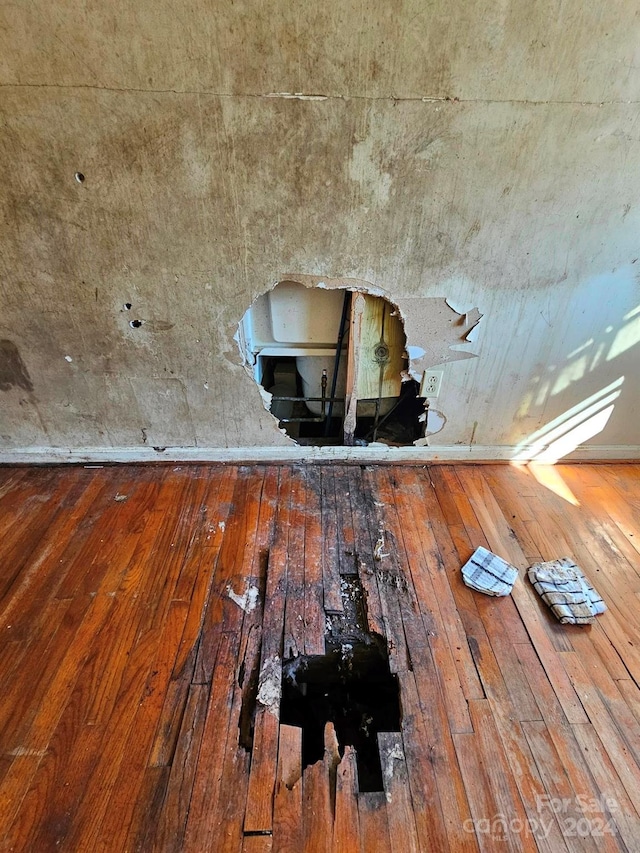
488,573
562,585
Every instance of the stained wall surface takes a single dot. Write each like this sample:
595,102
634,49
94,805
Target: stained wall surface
486,153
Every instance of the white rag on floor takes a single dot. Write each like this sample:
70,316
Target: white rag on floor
563,586
488,573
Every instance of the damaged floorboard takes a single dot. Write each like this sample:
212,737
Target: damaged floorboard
146,613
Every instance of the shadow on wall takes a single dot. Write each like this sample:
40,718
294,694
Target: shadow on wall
596,370
13,371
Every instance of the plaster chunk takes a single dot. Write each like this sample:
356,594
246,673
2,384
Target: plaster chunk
248,600
270,684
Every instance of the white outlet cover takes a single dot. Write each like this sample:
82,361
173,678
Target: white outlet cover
431,378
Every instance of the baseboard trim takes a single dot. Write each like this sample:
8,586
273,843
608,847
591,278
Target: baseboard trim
236,455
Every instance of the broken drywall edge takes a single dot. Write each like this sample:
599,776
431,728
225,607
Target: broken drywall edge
267,396
309,282
434,332
455,306
472,317
296,453
473,335
435,422
357,285
415,353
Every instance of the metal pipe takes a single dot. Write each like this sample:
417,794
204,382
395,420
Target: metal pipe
322,400
311,399
323,386
336,363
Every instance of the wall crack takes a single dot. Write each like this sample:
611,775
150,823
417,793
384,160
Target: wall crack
303,97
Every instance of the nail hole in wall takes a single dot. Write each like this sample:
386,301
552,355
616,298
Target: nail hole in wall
79,177
127,306
135,324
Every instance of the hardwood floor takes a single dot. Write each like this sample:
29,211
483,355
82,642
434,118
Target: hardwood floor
145,612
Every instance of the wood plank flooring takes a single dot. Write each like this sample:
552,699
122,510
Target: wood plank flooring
145,613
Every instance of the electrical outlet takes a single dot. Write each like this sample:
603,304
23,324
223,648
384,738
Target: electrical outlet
431,382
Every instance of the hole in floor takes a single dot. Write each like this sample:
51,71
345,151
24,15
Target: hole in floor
352,687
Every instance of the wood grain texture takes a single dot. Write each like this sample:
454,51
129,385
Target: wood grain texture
129,671
379,376
288,835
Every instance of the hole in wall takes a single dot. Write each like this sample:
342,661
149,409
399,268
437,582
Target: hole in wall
127,306
334,362
135,324
79,177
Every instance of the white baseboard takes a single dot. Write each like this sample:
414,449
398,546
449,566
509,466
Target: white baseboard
373,453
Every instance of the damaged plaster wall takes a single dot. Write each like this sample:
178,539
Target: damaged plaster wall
433,331
481,155
432,326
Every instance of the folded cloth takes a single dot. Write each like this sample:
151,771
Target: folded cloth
562,585
488,573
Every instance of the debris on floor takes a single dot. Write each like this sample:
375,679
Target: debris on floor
269,684
562,585
488,573
248,600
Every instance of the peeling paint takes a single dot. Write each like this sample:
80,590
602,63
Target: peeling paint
432,325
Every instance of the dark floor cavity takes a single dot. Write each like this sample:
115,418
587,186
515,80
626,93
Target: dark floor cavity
352,687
